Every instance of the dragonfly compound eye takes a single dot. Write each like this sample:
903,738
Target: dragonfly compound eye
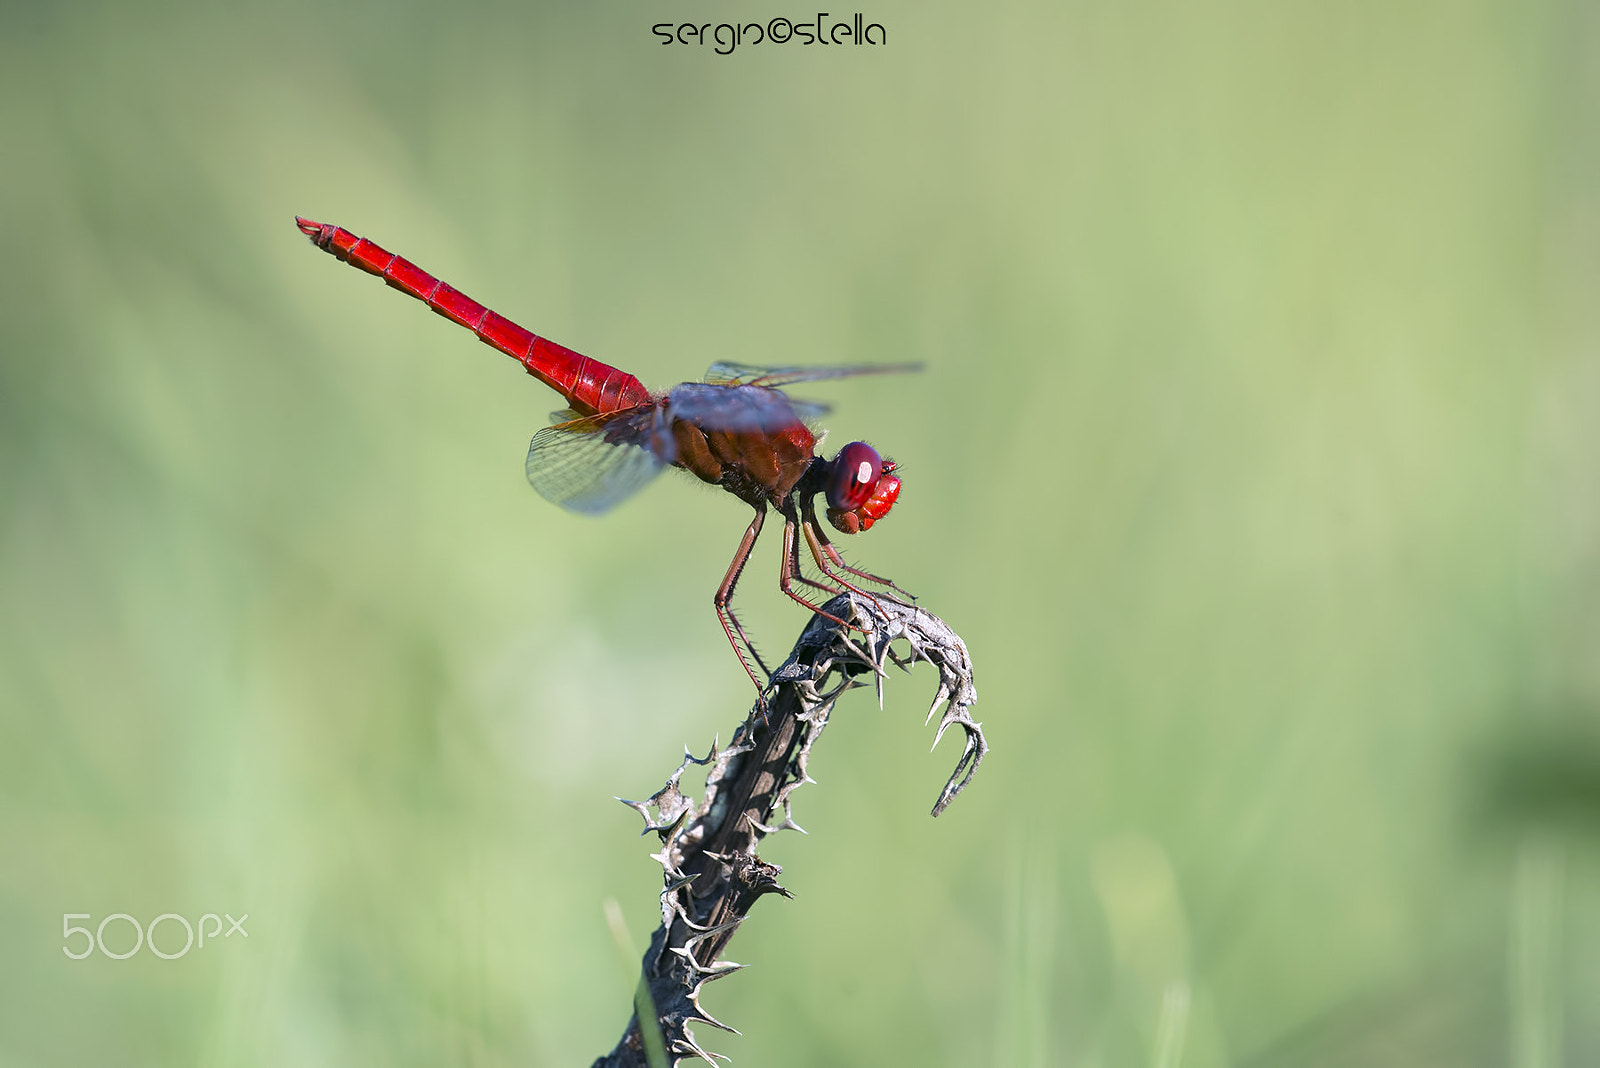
855,475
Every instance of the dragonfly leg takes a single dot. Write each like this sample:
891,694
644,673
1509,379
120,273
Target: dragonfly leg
791,546
821,546
740,641
810,532
789,571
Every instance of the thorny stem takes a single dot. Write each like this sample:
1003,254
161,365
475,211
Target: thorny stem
708,850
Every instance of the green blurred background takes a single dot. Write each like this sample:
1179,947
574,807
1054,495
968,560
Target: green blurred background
1255,461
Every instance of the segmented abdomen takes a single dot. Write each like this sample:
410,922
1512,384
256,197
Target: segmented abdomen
588,385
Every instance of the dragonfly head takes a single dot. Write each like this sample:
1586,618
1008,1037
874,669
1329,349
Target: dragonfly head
861,487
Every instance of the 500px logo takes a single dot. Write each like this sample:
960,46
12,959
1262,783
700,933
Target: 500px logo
143,936
727,36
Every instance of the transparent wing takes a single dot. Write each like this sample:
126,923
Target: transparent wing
591,463
732,407
724,373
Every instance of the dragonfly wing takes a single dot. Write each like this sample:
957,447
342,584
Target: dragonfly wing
731,407
589,464
726,373
809,411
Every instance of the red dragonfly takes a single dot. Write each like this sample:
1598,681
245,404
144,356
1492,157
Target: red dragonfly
736,430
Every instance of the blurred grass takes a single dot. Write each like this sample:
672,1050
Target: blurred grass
1254,462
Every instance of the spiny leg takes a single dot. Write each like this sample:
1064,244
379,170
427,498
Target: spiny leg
730,623
834,586
818,540
791,546
810,531
789,571
820,546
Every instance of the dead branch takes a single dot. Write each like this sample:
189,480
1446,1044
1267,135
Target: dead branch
713,876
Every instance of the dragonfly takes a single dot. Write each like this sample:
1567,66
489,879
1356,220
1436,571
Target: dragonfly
737,429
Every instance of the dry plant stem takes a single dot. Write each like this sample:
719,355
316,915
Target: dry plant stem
708,849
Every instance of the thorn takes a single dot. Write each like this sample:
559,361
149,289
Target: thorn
724,862
717,970
684,1044
705,1017
706,932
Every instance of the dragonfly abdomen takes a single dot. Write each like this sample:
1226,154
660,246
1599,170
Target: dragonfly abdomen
589,386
